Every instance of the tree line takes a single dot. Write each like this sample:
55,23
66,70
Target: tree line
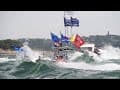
46,44
9,44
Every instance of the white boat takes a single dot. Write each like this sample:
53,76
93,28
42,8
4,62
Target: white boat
90,48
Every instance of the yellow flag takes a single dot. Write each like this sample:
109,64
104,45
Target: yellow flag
72,38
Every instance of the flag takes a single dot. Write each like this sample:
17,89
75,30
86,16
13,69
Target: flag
75,22
72,39
77,41
67,22
54,37
18,49
71,22
64,38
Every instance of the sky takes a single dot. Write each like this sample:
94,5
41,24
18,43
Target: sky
39,24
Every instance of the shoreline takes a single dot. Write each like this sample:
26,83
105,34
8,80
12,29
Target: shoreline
13,53
7,52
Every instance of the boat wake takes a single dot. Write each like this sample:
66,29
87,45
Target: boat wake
85,66
105,62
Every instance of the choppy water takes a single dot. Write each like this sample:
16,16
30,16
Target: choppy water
80,67
49,70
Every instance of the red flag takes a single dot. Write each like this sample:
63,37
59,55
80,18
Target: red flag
78,41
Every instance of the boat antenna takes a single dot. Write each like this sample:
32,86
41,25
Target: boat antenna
64,18
68,29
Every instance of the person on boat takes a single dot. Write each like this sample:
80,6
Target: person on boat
60,43
56,44
59,51
59,58
39,57
89,48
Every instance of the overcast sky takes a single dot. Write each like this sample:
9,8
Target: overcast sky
39,24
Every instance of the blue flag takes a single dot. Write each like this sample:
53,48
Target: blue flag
75,22
18,49
64,38
71,22
67,22
54,37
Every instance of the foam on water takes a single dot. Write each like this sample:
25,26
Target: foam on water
75,55
107,53
28,53
6,59
85,66
31,55
110,52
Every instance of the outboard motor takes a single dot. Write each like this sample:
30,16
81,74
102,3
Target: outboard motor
97,51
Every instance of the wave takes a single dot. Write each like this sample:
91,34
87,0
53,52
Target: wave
107,53
6,59
85,66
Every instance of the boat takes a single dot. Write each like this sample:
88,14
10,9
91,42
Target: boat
91,48
62,52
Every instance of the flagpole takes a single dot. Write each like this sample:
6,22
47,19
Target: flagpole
64,26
